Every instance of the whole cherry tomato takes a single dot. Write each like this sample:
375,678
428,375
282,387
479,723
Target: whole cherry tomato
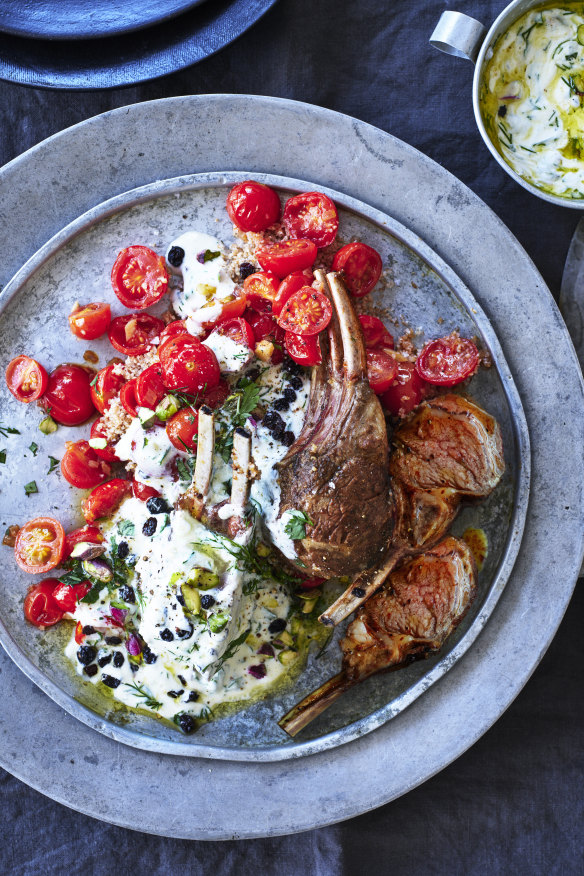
82,467
106,386
105,499
40,607
361,266
133,334
182,429
106,452
261,289
189,365
381,370
374,332
292,283
287,256
40,545
68,396
139,277
67,596
312,216
253,206
26,379
447,361
90,534
305,351
174,329
307,312
143,491
406,392
90,321
150,387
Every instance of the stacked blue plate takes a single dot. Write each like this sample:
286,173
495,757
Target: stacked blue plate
96,44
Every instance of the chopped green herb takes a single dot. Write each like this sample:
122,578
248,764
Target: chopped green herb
33,448
296,525
231,649
94,381
2,456
31,488
236,409
126,528
209,255
140,691
186,468
53,464
5,431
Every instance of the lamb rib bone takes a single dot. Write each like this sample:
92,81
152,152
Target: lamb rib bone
448,450
337,469
197,493
412,616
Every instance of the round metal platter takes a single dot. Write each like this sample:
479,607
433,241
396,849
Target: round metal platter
420,290
56,182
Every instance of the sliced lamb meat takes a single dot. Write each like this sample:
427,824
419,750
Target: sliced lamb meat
337,470
448,450
412,616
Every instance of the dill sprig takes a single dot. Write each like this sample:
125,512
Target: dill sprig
140,692
5,431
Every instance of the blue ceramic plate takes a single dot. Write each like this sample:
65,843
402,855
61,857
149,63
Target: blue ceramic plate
85,19
119,60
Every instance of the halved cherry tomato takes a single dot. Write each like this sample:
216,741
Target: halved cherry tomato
82,467
40,607
287,256
67,596
167,342
311,583
289,285
150,387
361,266
143,491
231,307
214,398
182,429
133,334
189,365
90,321
68,397
89,534
238,329
253,206
105,499
40,545
406,392
374,332
173,330
447,361
139,277
312,216
128,398
106,386
381,370
261,289
305,351
107,452
26,379
307,312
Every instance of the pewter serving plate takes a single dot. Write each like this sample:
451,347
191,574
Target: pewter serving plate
421,291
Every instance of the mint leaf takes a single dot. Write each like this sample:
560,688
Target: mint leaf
296,525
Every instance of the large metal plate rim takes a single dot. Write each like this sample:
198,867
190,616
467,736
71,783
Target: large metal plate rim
333,149
164,188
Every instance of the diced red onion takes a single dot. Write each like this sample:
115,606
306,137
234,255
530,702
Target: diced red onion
512,91
201,257
258,671
267,649
133,645
118,616
253,422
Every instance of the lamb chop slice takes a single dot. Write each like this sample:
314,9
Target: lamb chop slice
337,469
449,442
411,617
449,449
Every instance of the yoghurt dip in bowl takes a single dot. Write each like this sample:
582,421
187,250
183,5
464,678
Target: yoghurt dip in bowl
528,92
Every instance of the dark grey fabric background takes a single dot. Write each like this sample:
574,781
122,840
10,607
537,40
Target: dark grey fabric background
514,803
